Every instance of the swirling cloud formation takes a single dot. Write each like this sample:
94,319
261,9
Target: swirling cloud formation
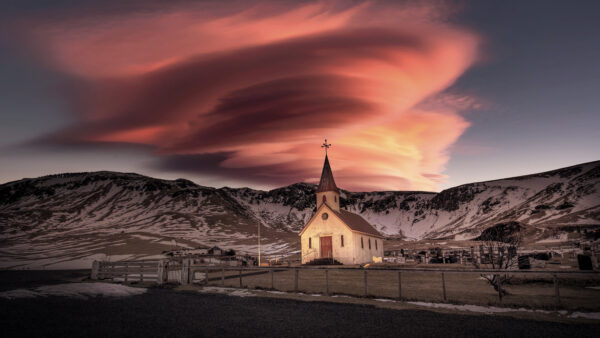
250,91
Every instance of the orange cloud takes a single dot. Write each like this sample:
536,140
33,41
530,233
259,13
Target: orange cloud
253,89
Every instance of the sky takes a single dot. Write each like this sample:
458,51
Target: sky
411,95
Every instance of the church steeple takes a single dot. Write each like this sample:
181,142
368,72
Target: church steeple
327,182
327,191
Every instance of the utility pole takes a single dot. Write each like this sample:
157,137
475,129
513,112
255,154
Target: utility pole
259,244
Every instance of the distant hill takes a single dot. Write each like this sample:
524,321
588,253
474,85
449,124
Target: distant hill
69,218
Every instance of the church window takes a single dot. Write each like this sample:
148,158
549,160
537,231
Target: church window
324,198
375,244
309,242
335,198
342,239
324,216
369,244
362,244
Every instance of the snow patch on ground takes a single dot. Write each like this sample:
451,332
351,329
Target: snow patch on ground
75,290
19,293
493,309
475,308
241,293
383,300
593,287
227,291
587,315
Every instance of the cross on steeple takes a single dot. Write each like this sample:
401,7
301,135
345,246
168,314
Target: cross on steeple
326,146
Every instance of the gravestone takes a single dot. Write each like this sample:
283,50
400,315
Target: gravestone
524,263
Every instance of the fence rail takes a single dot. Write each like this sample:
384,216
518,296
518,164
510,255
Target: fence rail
538,287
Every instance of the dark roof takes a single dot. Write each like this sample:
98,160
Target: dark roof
357,223
327,183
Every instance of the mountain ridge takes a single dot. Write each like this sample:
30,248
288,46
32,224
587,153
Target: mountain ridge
74,216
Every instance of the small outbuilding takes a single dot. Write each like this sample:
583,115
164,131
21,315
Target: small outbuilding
215,251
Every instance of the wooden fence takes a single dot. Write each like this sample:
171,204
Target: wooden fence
126,271
386,282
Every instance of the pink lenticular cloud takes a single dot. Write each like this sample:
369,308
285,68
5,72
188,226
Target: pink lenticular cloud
262,85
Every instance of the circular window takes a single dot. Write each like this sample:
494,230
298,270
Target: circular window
324,216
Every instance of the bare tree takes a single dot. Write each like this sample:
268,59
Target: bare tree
500,244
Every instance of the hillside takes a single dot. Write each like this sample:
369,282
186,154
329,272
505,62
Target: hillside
69,218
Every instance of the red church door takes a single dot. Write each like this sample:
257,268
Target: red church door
326,247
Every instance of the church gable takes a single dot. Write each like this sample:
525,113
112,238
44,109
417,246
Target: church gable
325,209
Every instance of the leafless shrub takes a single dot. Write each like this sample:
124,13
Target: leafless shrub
500,244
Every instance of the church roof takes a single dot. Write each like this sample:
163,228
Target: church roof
327,182
356,223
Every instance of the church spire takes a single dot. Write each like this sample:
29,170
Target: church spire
327,182
327,192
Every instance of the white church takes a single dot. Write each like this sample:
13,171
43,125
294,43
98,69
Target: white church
336,234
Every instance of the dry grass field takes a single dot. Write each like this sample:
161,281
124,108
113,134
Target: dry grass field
531,291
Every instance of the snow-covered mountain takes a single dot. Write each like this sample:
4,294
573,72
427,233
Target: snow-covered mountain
74,217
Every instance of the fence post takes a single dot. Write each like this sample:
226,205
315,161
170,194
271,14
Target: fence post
399,285
295,279
160,272
188,272
223,277
556,292
327,282
141,272
126,272
272,280
444,286
366,285
499,282
240,278
206,276
95,268
185,272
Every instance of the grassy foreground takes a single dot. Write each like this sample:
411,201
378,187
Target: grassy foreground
532,291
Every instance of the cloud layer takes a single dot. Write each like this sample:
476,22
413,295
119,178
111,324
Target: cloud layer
250,91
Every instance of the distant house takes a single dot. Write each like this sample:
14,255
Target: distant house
338,234
215,250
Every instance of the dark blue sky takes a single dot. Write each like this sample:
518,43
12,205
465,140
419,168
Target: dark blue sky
542,78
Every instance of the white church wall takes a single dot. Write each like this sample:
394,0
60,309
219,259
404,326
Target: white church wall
366,254
333,227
